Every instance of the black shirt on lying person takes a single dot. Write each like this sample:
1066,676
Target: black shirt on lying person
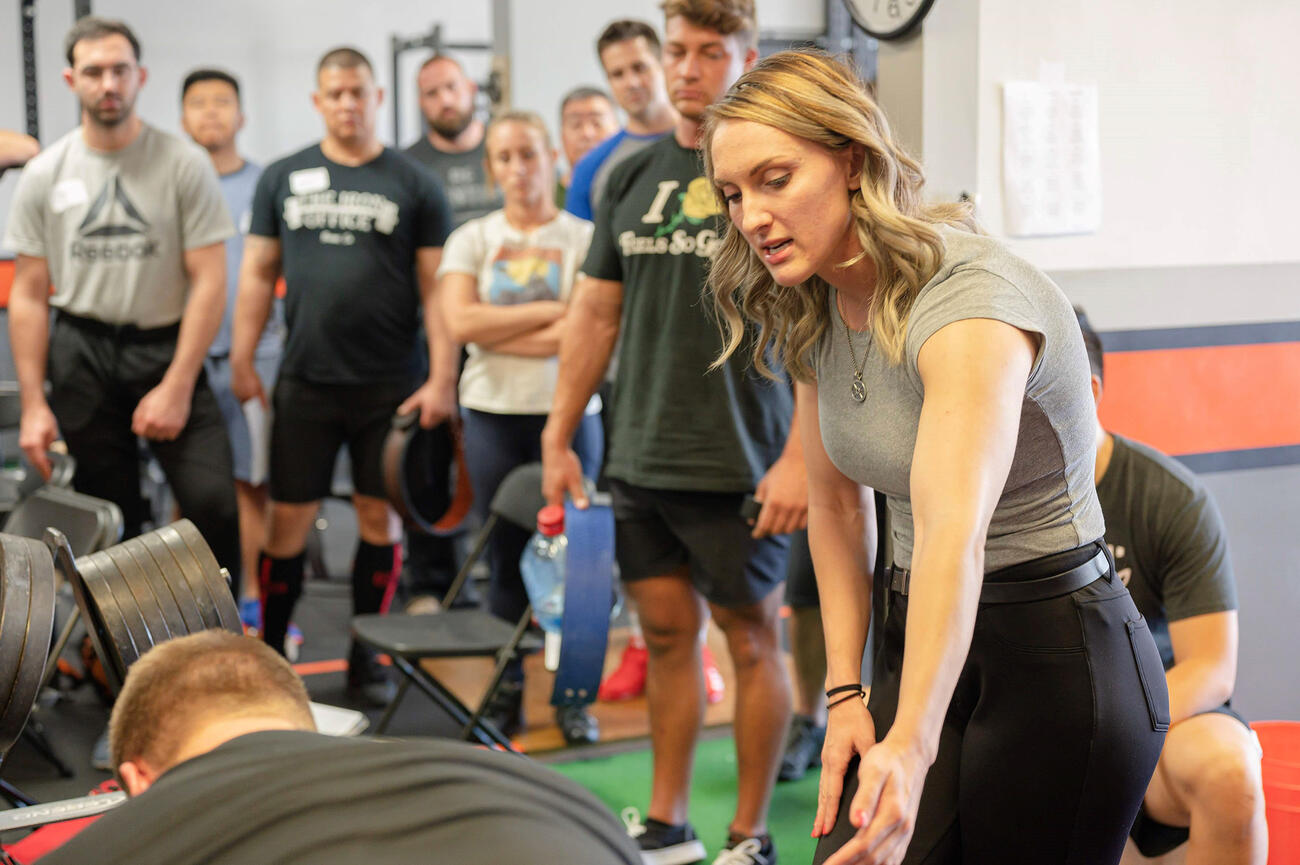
297,798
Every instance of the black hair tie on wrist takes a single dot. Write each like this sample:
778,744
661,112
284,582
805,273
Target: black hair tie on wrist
844,689
858,695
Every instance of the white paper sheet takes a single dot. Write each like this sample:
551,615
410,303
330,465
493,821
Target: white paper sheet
1051,161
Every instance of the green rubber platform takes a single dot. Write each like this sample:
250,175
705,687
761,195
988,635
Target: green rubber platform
624,780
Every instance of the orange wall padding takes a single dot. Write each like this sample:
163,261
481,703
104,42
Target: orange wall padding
7,281
1208,399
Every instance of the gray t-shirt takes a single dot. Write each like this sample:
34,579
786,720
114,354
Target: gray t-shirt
1168,539
1049,503
114,226
463,177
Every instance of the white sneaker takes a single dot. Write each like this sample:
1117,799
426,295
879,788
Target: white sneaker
662,844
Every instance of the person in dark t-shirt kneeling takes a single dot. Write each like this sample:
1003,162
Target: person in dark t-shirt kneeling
357,230
213,738
1171,550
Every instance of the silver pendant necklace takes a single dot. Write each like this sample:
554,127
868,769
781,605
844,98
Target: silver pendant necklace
858,388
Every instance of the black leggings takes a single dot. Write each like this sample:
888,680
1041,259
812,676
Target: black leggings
1052,734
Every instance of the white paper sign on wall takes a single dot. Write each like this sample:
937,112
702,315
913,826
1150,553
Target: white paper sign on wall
1051,162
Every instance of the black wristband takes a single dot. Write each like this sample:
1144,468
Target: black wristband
857,696
844,689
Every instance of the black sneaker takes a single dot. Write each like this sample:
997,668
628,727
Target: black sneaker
368,683
803,748
662,843
757,850
505,710
577,724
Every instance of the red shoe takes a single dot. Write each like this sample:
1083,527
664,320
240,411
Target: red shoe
627,682
714,686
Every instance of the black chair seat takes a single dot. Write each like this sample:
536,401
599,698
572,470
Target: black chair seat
446,634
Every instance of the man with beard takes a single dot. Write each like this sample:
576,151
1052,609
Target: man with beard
128,224
454,150
453,147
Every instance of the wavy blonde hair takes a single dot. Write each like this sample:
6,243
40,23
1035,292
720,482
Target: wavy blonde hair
819,98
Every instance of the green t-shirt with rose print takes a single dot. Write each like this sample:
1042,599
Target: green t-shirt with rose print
676,425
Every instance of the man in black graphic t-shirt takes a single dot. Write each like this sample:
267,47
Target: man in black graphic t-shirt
1171,550
687,444
356,229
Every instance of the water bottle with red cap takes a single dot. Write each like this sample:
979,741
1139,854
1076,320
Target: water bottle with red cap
542,566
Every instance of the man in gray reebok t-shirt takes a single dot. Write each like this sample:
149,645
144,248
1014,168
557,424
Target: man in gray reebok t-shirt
1171,550
127,223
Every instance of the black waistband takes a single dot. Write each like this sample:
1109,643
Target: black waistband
1035,580
121,332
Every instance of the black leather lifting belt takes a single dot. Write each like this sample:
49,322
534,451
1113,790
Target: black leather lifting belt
1024,591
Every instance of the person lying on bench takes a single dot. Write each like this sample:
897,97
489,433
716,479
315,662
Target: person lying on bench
213,739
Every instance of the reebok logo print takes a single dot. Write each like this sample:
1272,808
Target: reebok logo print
113,228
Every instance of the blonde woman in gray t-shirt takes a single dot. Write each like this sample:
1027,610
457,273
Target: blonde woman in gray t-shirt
1017,707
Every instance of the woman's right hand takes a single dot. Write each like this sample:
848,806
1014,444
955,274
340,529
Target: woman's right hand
245,383
850,731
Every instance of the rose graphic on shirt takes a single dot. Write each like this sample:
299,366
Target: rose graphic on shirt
698,203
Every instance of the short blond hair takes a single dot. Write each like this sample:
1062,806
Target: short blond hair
178,686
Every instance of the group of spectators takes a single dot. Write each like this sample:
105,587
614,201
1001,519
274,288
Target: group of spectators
859,338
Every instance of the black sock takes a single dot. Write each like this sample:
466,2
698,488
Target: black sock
281,585
374,576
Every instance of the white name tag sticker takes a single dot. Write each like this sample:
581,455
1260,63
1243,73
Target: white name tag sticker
67,194
245,221
309,180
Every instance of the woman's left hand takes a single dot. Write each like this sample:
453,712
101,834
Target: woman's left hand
890,778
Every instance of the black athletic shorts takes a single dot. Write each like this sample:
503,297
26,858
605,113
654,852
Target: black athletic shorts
658,531
312,421
1154,838
800,580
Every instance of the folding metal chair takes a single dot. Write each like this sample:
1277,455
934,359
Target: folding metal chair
461,633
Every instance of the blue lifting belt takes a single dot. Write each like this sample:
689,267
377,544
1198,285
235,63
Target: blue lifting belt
588,597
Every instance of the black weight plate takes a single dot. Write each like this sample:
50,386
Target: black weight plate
36,646
162,592
96,629
142,593
13,626
13,631
190,570
170,571
121,650
126,604
222,591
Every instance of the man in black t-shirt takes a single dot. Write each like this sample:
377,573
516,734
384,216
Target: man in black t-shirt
687,445
213,738
356,229
1171,551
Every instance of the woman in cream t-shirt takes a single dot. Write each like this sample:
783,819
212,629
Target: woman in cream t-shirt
505,280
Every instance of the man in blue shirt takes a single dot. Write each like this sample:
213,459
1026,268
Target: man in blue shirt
212,115
629,52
